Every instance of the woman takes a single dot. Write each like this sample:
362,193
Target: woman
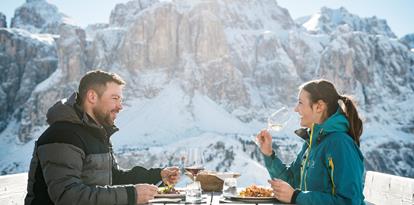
329,168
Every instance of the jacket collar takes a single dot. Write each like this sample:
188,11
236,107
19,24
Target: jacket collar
335,123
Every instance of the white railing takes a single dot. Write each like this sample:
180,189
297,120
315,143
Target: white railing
13,189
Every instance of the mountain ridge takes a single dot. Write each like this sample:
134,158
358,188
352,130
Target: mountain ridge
326,21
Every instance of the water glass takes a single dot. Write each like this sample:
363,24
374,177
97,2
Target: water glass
230,187
193,192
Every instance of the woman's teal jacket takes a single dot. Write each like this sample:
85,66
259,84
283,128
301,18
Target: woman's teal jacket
328,170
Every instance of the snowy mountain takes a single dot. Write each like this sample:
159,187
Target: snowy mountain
26,59
207,74
327,20
39,16
408,40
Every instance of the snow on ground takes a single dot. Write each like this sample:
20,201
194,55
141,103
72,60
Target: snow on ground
173,115
18,155
52,81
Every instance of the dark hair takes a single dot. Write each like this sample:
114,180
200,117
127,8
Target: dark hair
325,90
97,80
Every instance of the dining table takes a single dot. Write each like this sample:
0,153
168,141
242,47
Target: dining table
212,198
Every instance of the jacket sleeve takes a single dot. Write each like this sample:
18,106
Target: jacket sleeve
62,167
135,175
289,173
345,168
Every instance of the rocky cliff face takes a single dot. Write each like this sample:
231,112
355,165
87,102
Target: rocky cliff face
240,59
359,61
408,40
176,37
70,50
25,61
124,14
3,23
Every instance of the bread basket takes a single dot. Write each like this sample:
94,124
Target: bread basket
209,180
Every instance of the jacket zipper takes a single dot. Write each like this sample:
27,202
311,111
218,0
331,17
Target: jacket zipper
306,162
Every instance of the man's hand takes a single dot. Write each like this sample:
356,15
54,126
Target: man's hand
145,192
265,142
282,190
170,175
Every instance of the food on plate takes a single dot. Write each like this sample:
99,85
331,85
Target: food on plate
256,191
168,190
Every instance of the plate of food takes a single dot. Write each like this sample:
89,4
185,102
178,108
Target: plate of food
254,194
169,192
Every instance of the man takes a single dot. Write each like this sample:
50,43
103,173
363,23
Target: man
73,161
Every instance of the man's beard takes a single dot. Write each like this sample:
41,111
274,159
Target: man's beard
103,118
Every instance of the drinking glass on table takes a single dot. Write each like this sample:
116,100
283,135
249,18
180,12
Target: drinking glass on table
230,186
194,162
276,121
193,192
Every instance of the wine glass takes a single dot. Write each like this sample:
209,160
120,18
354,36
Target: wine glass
194,162
276,121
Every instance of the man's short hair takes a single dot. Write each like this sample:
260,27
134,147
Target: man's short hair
97,80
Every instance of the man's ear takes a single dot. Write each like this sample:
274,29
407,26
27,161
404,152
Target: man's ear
91,97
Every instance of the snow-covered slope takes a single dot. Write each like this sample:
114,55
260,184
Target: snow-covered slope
173,115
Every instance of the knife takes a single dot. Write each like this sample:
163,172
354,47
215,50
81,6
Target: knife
158,183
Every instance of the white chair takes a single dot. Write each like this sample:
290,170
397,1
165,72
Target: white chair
386,189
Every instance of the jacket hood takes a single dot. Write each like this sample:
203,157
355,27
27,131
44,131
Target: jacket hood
336,123
64,111
69,110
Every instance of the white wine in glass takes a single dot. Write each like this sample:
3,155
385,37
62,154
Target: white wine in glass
276,121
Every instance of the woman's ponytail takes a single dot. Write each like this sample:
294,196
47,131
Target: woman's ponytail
355,122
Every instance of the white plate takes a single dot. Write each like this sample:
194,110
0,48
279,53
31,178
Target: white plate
251,199
170,195
165,200
224,175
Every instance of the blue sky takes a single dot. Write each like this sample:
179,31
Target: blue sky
398,13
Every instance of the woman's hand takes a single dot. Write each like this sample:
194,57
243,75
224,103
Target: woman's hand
282,190
265,142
